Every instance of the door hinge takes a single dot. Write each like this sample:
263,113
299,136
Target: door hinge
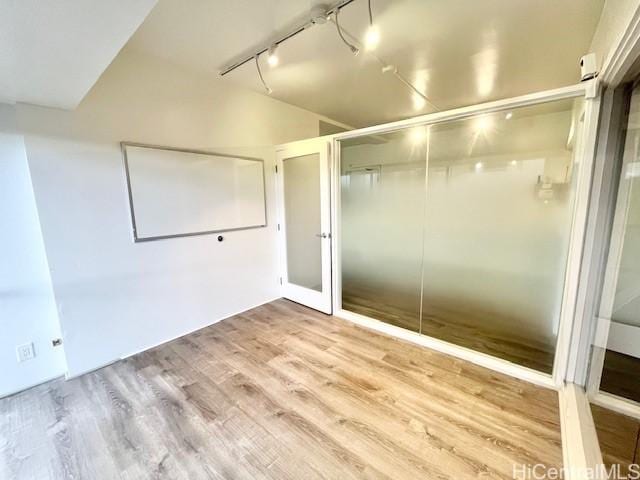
280,280
276,168
278,227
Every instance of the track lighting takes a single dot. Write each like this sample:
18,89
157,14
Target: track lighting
372,37
264,84
418,102
319,15
418,96
355,50
272,55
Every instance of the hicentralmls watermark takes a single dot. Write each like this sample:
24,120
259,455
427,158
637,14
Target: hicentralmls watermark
540,471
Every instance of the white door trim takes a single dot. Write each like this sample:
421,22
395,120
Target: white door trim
571,321
580,447
610,280
617,65
601,212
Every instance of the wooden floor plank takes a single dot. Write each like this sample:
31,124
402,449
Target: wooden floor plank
282,392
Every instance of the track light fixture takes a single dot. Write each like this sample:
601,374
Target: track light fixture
418,96
272,55
264,84
372,37
319,15
355,50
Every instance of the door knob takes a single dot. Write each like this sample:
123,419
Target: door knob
323,235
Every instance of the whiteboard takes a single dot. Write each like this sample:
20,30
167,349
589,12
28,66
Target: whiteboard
175,193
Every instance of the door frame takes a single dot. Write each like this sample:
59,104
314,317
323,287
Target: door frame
619,67
321,301
616,213
611,273
568,321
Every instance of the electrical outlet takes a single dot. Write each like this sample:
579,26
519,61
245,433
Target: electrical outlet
25,352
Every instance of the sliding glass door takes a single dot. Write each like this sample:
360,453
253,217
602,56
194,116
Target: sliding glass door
460,230
382,212
615,365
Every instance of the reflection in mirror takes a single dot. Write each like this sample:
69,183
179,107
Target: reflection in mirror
618,439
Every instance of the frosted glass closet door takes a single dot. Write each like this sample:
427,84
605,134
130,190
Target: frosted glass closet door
500,194
460,230
381,218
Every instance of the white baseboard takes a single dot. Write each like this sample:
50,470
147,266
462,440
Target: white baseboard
24,389
128,355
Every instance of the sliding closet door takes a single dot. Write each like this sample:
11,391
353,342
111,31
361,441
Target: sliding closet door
500,195
381,225
460,230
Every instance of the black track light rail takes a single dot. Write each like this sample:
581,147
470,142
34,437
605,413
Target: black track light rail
336,8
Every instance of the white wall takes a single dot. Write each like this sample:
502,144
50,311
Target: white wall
27,306
116,297
614,19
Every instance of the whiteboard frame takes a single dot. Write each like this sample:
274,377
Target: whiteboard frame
137,239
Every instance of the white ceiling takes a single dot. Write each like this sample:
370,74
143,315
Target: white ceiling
52,52
459,52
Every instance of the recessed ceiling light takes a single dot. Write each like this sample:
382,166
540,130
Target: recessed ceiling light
508,116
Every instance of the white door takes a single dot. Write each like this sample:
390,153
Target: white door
304,222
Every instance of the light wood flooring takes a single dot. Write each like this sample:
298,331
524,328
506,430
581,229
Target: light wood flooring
280,392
